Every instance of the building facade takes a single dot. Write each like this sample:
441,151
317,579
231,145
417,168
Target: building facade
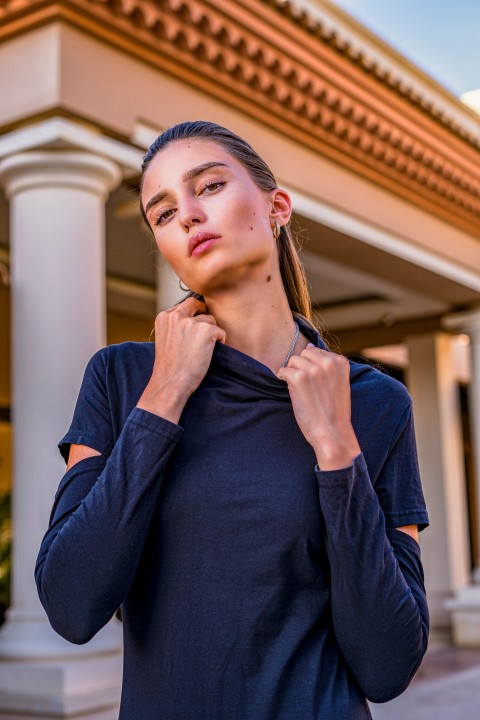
382,164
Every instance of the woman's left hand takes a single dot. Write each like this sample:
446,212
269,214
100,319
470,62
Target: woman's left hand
319,386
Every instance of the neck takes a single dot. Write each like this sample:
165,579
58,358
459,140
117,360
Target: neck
257,321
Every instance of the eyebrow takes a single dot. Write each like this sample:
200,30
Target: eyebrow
189,175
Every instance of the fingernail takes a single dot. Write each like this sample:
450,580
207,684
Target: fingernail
310,345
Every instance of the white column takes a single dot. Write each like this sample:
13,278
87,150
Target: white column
469,323
57,228
168,288
465,606
433,386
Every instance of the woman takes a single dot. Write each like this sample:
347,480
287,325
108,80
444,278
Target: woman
250,499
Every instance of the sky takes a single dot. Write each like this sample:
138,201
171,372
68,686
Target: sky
442,37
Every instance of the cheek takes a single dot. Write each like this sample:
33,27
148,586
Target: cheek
174,256
172,260
167,251
249,215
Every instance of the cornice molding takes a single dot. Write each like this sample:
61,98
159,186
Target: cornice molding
285,69
361,47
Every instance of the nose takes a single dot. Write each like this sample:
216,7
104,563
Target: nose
190,213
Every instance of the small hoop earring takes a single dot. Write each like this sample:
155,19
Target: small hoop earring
276,230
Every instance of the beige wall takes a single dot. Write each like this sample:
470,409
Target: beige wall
28,86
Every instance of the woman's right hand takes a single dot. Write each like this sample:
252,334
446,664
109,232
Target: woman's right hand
184,343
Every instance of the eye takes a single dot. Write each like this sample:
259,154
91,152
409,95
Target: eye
163,217
212,186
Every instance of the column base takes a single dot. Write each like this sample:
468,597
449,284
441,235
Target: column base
50,678
107,715
440,619
465,610
84,688
27,635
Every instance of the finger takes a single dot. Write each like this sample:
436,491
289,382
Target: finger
205,318
221,335
288,374
191,306
308,357
301,361
188,307
314,351
216,334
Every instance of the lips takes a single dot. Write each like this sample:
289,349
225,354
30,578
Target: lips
199,238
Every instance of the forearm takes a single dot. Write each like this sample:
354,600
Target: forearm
166,401
379,610
336,447
99,523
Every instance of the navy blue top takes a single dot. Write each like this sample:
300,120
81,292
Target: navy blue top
253,585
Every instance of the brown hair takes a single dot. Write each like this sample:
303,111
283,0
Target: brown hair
291,269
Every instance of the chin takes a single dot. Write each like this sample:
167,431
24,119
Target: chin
218,273
214,287
217,279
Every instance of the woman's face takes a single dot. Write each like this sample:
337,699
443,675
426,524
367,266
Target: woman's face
194,190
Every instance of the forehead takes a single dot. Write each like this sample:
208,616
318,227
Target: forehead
169,164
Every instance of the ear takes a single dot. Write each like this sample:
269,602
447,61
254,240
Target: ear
281,206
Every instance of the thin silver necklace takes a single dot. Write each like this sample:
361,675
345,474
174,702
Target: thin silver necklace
293,345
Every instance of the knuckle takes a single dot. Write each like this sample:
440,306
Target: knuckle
205,327
315,371
161,315
332,360
343,362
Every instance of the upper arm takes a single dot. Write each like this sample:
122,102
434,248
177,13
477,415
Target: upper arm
411,530
78,453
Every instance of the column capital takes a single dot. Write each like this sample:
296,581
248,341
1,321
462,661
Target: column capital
59,168
467,322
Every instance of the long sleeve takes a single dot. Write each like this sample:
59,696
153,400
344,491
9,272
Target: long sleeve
98,526
379,608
